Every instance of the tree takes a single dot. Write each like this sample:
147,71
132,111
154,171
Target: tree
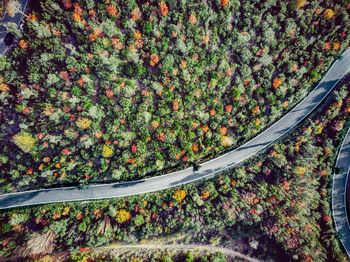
109,28
40,244
195,166
147,28
189,257
122,216
14,7
12,28
24,141
166,259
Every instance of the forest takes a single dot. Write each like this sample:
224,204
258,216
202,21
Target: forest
280,199
121,90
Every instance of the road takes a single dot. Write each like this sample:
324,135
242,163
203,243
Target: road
340,180
207,170
7,19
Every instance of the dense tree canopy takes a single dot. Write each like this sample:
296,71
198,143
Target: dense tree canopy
113,90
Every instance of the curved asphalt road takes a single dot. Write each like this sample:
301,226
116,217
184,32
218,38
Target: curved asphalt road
340,181
207,170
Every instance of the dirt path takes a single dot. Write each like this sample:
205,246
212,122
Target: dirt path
223,250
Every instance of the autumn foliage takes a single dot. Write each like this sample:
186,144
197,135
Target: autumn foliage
179,195
122,216
163,8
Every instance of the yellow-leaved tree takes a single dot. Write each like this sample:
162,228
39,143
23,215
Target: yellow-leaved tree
179,195
328,13
14,7
24,141
300,3
122,216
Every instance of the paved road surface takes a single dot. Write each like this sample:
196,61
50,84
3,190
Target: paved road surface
6,19
340,181
207,170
